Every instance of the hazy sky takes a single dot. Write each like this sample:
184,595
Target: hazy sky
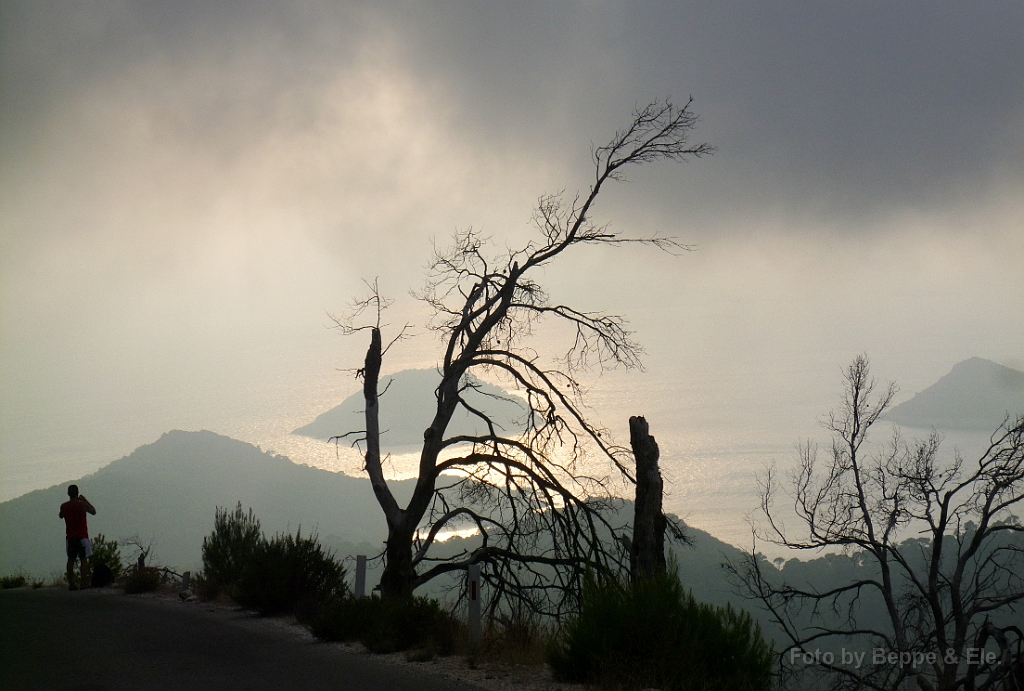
186,189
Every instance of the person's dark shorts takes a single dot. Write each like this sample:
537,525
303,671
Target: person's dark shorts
76,549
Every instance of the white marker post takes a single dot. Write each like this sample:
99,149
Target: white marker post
473,586
361,576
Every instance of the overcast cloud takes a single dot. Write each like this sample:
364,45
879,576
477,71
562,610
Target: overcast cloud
187,187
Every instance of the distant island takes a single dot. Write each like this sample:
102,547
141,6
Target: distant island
407,408
977,394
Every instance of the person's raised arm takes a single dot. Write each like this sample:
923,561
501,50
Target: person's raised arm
88,507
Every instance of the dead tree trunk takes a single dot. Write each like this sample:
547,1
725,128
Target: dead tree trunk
541,530
397,579
647,551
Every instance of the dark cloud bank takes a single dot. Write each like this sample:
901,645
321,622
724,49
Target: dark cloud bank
847,108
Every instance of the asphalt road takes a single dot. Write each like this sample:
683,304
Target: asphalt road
54,640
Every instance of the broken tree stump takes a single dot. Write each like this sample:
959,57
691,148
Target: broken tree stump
647,551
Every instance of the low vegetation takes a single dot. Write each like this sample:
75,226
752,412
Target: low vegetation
387,626
134,579
229,550
654,634
146,579
20,580
107,553
289,574
15,581
279,575
518,636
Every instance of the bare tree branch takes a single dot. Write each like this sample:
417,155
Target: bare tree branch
542,521
931,599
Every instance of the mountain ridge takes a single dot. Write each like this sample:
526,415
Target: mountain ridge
167,492
407,405
976,394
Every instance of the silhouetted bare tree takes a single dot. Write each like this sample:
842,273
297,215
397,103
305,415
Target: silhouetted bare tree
942,610
538,512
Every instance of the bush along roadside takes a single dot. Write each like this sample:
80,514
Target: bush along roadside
289,574
145,579
285,574
106,559
387,626
15,581
654,634
648,634
229,550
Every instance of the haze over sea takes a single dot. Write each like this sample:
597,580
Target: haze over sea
716,431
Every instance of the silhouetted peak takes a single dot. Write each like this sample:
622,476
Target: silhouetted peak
975,394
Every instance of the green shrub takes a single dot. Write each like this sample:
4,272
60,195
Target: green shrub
230,547
16,581
204,587
289,574
144,580
286,574
386,626
654,634
106,552
410,623
516,636
345,618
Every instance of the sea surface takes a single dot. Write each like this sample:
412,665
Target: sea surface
717,434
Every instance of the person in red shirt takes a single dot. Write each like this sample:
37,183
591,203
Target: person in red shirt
78,546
